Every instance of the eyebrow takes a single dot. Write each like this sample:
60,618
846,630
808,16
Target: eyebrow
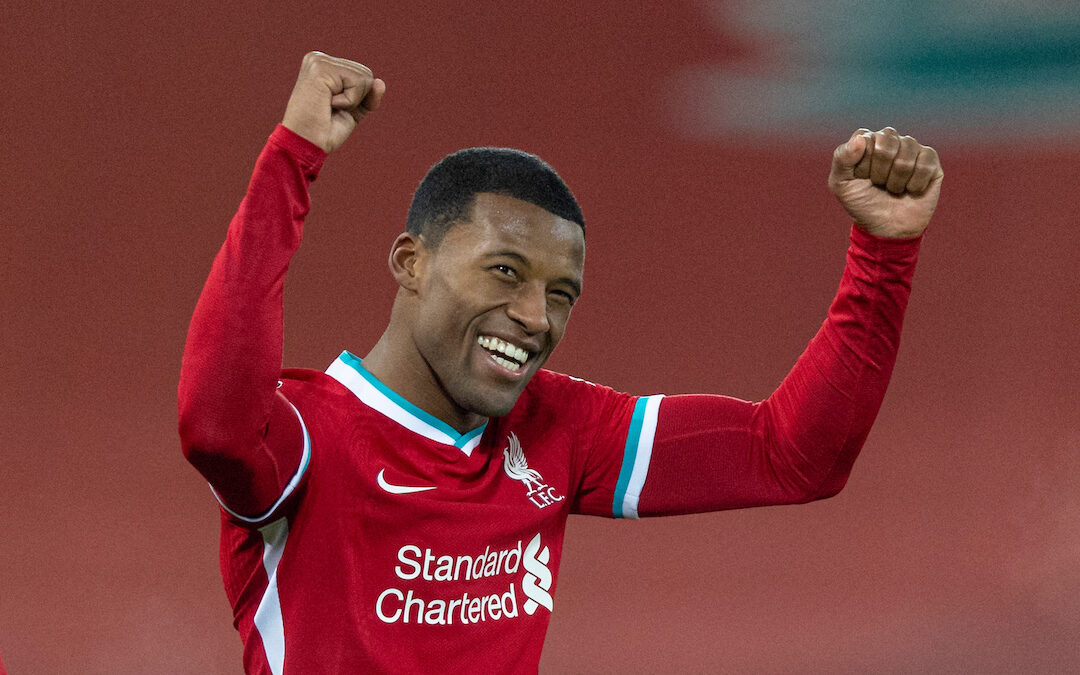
576,286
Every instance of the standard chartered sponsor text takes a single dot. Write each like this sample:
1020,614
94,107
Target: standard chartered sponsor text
393,606
412,605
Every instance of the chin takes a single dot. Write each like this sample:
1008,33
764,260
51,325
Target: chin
490,404
491,408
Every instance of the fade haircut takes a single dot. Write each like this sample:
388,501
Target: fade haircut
448,192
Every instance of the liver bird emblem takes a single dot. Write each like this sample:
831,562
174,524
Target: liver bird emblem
517,467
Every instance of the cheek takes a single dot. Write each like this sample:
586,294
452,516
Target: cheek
557,320
445,314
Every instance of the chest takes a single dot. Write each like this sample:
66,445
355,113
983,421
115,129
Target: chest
371,475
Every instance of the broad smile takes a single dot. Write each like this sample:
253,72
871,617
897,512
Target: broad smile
510,356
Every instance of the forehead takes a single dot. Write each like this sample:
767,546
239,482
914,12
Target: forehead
500,223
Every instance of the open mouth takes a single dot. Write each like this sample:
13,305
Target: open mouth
505,354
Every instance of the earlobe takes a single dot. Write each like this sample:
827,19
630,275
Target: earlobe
404,261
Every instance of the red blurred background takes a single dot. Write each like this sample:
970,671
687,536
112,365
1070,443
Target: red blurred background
129,132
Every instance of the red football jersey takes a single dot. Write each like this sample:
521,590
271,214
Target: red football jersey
404,546
398,544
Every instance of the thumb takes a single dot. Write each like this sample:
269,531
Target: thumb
847,155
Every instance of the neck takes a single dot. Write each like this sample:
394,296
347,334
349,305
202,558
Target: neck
410,377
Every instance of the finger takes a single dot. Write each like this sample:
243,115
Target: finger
903,165
374,96
847,155
862,169
354,66
349,98
355,86
317,60
369,102
927,170
886,145
348,81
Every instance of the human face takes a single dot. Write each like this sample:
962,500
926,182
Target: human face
493,300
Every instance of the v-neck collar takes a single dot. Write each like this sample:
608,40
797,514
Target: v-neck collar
349,371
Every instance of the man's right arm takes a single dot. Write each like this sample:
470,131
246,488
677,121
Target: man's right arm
235,427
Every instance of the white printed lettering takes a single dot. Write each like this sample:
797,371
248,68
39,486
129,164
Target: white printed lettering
445,570
415,550
436,613
388,618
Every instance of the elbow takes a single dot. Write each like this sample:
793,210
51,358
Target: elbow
204,442
215,452
828,488
196,441
802,490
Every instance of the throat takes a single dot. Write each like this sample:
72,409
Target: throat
413,380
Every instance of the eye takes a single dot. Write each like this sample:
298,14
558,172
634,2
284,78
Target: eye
505,270
563,297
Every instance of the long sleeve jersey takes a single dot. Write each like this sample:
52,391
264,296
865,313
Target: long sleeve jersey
360,533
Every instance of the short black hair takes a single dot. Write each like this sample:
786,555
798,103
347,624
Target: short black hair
448,192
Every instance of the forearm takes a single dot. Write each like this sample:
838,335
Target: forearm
713,452
233,426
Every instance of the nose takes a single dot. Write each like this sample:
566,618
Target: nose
528,308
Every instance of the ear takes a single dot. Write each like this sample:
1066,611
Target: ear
406,260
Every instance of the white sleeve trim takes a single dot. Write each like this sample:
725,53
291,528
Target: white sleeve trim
636,457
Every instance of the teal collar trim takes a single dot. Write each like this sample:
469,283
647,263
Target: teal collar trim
350,371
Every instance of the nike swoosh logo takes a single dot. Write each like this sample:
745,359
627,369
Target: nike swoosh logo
400,489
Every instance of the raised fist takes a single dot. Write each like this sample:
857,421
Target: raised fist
889,184
330,97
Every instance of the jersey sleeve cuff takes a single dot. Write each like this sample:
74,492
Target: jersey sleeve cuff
885,248
272,513
636,456
310,156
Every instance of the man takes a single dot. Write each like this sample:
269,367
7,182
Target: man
404,512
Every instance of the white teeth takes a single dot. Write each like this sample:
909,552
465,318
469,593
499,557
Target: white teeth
509,365
512,351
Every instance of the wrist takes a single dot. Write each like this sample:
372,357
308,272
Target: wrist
310,155
886,233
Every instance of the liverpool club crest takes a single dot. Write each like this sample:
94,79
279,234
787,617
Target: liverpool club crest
517,467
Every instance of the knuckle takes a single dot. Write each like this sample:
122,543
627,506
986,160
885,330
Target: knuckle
885,147
904,165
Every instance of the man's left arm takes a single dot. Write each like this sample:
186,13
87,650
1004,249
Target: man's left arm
714,452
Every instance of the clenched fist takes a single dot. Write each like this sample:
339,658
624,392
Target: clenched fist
889,184
330,97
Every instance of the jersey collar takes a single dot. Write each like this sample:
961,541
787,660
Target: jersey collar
349,371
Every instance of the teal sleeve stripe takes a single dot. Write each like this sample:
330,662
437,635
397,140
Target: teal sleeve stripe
633,437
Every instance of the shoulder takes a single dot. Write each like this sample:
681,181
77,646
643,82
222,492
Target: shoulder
566,396
309,389
550,383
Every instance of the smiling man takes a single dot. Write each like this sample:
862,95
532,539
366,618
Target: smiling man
405,512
